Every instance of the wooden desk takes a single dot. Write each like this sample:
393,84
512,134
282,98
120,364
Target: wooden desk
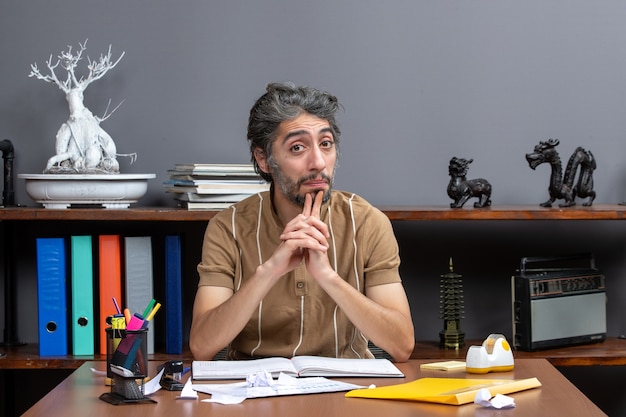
78,396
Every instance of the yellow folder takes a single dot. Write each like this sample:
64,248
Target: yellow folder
454,391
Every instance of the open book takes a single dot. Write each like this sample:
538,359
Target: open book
296,366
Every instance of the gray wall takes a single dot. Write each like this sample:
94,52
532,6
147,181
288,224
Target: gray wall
420,82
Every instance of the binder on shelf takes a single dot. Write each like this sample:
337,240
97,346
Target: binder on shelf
82,296
173,296
51,296
110,281
139,278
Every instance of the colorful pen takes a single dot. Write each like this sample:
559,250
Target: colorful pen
153,312
127,315
137,322
151,315
149,307
117,306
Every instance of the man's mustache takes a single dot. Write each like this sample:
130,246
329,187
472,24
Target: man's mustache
314,177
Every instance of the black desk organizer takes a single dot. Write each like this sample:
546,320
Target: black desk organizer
127,366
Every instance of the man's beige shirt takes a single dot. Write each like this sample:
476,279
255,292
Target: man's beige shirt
297,317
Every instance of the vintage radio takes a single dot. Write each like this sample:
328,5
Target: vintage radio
558,301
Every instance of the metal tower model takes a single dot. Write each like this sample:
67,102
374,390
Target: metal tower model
451,310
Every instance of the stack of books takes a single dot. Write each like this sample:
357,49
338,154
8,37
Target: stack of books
213,186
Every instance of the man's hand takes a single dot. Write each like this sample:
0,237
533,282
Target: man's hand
383,315
226,312
303,233
317,262
313,205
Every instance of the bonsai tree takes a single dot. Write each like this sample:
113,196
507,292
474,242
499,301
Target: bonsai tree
82,146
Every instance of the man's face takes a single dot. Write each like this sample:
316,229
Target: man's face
303,158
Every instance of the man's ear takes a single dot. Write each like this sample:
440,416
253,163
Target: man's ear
261,159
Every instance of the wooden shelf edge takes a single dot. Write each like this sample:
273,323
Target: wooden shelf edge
27,357
395,213
611,352
507,212
101,214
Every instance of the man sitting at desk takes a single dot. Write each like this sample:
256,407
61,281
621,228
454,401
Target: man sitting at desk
301,269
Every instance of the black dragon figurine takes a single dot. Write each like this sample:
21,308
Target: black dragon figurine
460,189
562,184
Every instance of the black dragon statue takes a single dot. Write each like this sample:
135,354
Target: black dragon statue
460,189
562,184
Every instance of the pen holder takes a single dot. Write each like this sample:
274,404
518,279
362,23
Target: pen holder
114,337
127,365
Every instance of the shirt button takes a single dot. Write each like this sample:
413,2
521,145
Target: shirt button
300,285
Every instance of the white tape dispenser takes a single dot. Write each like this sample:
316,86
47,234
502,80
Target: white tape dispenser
494,355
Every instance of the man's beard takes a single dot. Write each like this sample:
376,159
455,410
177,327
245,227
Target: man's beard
290,187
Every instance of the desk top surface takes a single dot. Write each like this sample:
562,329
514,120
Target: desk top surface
78,396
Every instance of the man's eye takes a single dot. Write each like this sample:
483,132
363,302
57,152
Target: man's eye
296,148
327,144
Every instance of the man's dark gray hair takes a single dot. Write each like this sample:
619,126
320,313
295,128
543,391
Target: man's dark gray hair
285,101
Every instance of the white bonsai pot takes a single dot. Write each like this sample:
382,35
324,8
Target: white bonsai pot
60,191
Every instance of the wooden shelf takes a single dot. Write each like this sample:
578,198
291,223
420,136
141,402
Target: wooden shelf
408,213
610,352
518,212
163,214
27,357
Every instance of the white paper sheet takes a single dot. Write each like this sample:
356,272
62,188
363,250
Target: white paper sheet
484,399
188,392
284,385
